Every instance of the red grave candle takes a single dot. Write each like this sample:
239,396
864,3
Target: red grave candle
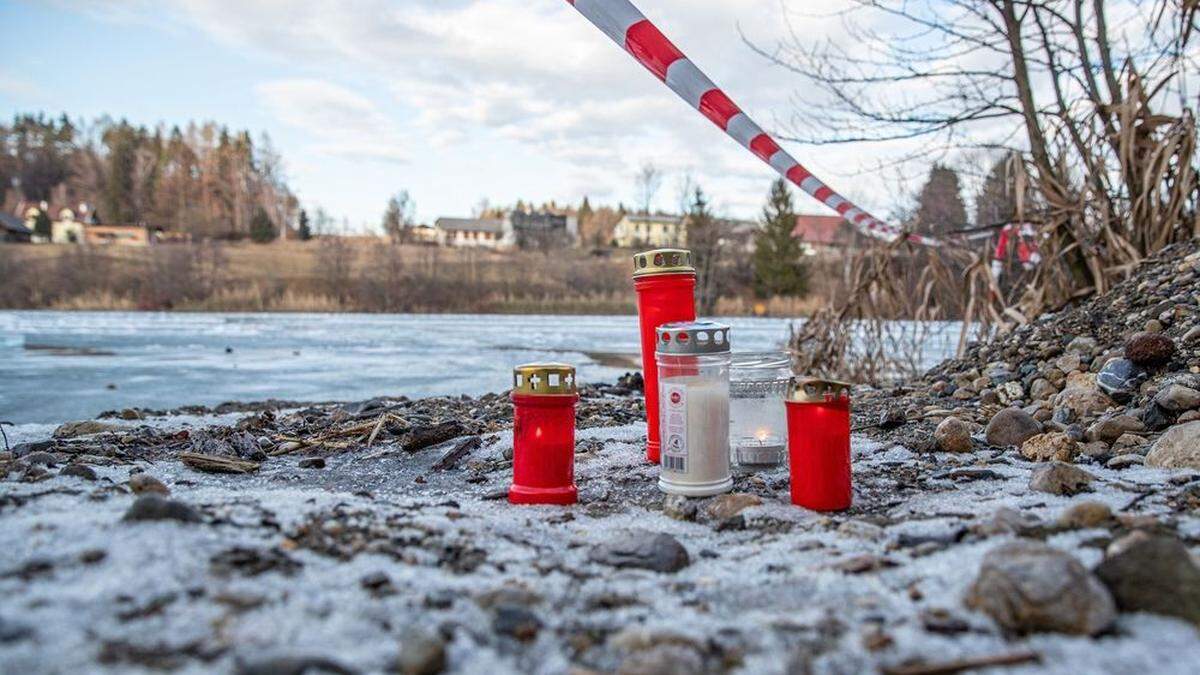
818,418
544,397
665,281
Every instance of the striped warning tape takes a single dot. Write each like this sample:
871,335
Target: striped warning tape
622,22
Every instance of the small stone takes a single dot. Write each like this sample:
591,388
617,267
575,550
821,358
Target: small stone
517,622
22,449
1192,336
293,665
1068,363
79,471
679,508
378,584
422,652
729,505
130,414
1042,390
1009,521
1083,345
1149,349
1057,478
1083,400
1125,461
1179,448
1153,574
1189,416
1052,446
1029,587
154,507
963,394
1109,429
1177,398
312,463
144,483
646,550
1011,426
1155,418
953,435
41,459
1120,378
989,397
1153,326
1085,514
1097,450
1130,443
84,428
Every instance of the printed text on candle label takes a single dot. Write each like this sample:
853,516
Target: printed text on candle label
674,449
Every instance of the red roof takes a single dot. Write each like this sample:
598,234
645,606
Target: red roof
826,230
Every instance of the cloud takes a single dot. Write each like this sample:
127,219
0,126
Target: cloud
341,122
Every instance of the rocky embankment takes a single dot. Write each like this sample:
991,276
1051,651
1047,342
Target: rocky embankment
1034,506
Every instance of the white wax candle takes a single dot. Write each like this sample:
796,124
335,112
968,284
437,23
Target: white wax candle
695,436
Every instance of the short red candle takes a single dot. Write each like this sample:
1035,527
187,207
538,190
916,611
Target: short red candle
665,282
818,417
544,435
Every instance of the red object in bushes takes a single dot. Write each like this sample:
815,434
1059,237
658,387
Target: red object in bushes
544,443
666,293
819,445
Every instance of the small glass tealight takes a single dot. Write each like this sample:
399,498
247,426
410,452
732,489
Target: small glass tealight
758,386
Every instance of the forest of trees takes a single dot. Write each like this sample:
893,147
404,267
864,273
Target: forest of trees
202,179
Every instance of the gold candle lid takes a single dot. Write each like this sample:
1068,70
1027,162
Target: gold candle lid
544,379
817,390
663,261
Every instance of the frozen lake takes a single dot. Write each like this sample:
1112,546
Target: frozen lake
57,366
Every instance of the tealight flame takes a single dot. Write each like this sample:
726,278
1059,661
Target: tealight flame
761,434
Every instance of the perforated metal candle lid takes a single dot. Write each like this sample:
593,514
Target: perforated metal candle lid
817,390
692,337
663,261
544,379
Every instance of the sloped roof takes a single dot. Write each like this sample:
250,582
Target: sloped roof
821,230
13,224
470,224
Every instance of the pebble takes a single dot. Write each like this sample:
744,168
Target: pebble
731,504
516,621
1029,587
40,459
1177,398
645,550
154,507
1083,400
1153,574
1192,336
1052,446
84,428
422,652
1109,429
312,463
1125,461
1179,448
1011,426
1057,478
79,471
293,665
1042,390
144,483
953,435
1120,379
679,507
1149,349
1085,514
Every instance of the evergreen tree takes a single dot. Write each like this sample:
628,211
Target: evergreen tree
262,230
779,267
304,230
41,225
997,200
940,206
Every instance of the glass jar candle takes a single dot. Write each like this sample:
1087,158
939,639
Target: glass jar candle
758,387
544,397
693,387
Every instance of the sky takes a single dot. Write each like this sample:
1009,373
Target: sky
455,101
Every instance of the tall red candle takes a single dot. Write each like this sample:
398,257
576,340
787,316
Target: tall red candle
544,397
818,417
665,281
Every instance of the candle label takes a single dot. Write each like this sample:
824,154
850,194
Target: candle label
675,440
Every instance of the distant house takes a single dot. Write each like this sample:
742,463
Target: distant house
542,228
66,223
13,230
738,233
425,234
639,230
823,234
494,233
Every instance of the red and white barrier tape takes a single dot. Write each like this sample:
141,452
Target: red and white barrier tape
622,22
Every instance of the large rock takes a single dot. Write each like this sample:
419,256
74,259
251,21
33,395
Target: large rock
1057,478
953,435
1179,448
1054,446
1011,426
1153,574
1149,350
1029,587
1178,398
645,550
